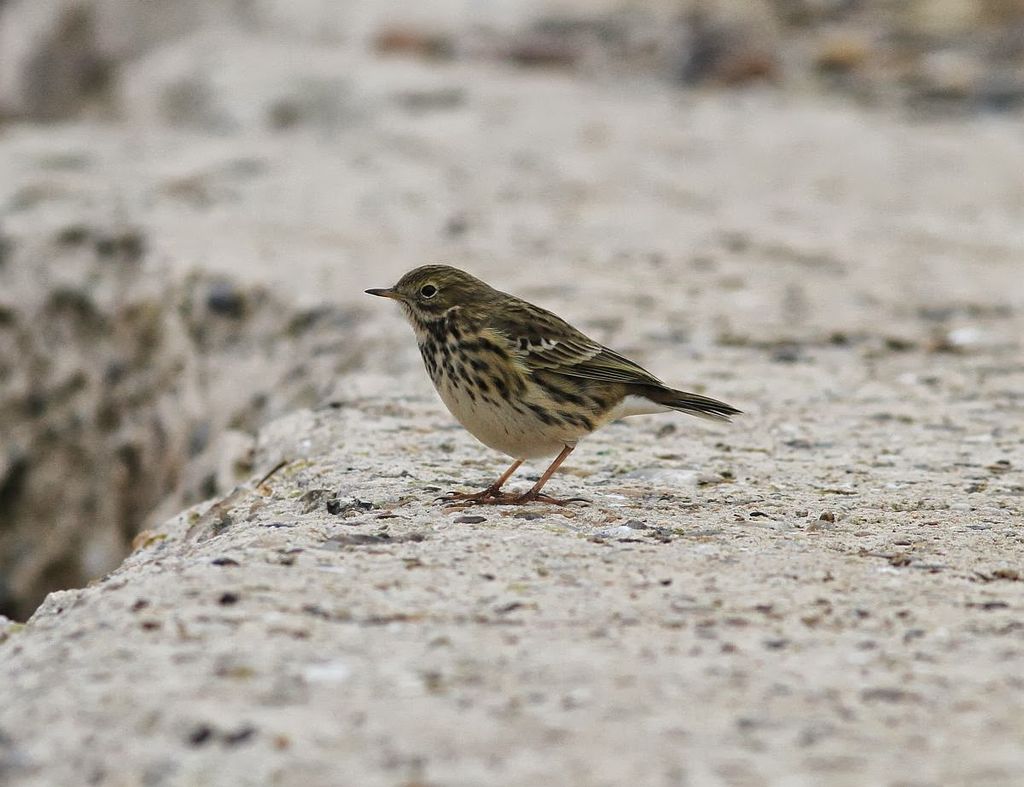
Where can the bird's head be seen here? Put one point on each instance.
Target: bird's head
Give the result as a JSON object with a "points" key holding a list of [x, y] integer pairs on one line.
{"points": [[428, 292]]}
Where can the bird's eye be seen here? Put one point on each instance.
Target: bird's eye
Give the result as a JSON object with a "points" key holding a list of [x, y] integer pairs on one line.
{"points": [[428, 290]]}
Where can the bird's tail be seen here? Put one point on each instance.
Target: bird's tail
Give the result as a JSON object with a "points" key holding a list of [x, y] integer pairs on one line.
{"points": [[691, 403]]}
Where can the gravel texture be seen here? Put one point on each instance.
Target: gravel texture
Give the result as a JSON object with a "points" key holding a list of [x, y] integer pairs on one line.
{"points": [[828, 591]]}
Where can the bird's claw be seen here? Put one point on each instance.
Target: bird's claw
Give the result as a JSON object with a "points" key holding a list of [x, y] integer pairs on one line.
{"points": [[542, 498], [489, 495], [494, 497]]}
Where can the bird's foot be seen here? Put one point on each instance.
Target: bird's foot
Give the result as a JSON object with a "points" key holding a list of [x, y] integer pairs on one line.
{"points": [[495, 497], [540, 497], [489, 496]]}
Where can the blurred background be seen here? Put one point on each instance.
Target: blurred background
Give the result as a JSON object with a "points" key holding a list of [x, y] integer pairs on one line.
{"points": [[194, 193]]}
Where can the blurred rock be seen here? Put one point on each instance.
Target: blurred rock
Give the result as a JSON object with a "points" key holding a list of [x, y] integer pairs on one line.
{"points": [[224, 65], [63, 56], [949, 74], [60, 56], [729, 44], [443, 98], [269, 84], [843, 53], [412, 41], [571, 41], [119, 392], [1001, 90], [194, 83], [546, 51], [54, 66], [941, 19], [805, 13]]}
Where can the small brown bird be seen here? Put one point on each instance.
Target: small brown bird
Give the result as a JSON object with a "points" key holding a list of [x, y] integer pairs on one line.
{"points": [[521, 379]]}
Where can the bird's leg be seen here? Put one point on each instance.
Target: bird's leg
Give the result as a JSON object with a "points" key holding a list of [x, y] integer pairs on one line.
{"points": [[490, 494], [534, 493]]}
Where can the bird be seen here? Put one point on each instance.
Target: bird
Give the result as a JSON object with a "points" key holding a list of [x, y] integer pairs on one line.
{"points": [[522, 380]]}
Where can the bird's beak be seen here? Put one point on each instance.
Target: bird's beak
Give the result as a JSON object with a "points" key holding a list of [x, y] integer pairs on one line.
{"points": [[385, 293]]}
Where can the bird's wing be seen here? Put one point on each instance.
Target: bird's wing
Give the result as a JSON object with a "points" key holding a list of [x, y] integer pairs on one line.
{"points": [[544, 341]]}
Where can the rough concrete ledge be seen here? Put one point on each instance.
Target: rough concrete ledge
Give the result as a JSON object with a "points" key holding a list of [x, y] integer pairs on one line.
{"points": [[697, 623]]}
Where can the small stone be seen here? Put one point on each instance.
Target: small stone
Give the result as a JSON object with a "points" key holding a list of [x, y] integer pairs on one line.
{"points": [[622, 531], [129, 246], [73, 235], [225, 299], [348, 505], [470, 519], [427, 100], [988, 606], [6, 249], [355, 540], [897, 344], [949, 74], [456, 226], [841, 54], [311, 499], [884, 694], [241, 735], [788, 353], [285, 114], [535, 50], [200, 735], [423, 43]]}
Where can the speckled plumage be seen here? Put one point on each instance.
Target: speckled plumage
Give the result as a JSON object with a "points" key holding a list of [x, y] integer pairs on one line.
{"points": [[519, 378]]}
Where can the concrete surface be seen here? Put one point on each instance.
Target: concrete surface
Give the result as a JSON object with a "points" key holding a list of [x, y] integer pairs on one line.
{"points": [[827, 592]]}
